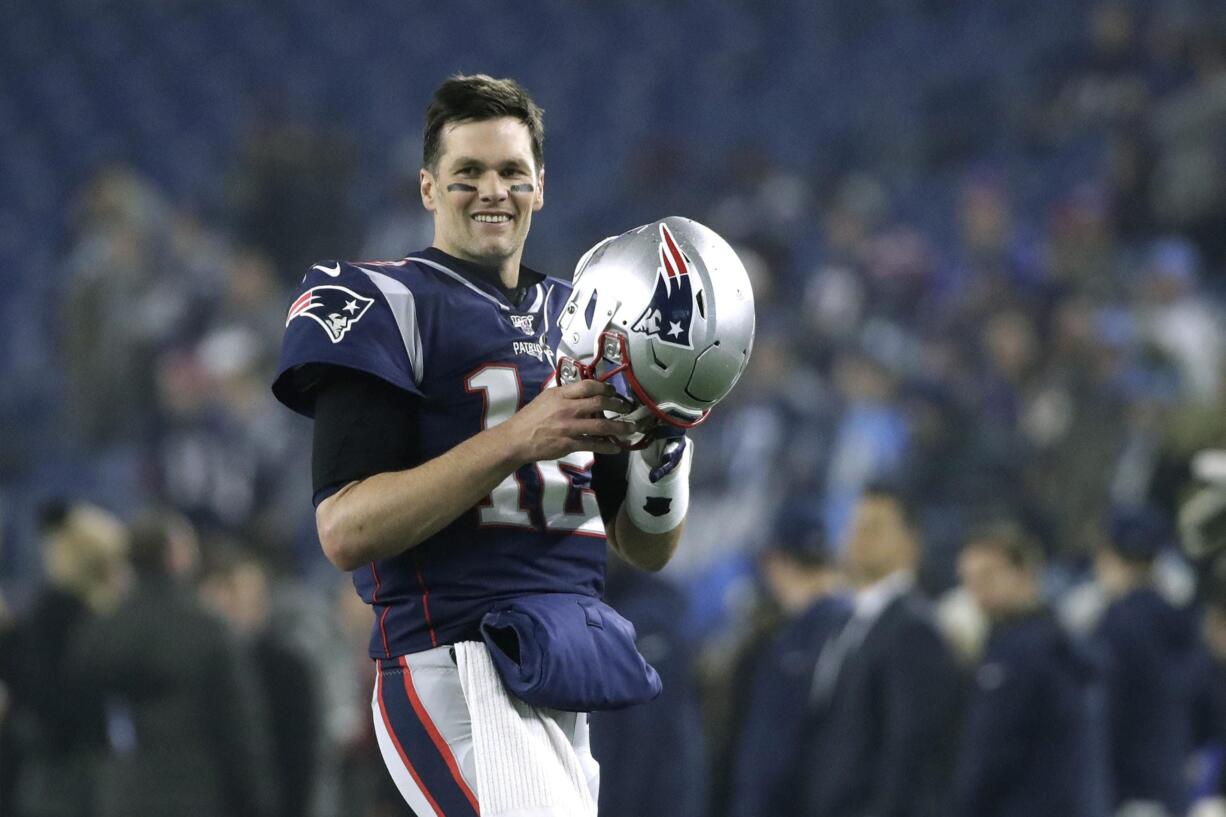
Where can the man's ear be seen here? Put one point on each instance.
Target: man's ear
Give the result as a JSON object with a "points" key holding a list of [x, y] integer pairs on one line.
{"points": [[427, 189], [539, 201]]}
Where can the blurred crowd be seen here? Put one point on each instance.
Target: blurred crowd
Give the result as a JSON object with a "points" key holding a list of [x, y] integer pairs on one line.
{"points": [[932, 528], [151, 675]]}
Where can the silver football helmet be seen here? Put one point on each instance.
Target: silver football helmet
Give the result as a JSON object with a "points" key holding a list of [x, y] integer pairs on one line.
{"points": [[665, 313]]}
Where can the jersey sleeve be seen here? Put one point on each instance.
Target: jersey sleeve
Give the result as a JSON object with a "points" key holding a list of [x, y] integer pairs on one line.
{"points": [[346, 315], [363, 426]]}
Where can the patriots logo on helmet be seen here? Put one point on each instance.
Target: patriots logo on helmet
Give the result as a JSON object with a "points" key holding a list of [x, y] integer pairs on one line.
{"points": [[670, 314], [335, 308]]}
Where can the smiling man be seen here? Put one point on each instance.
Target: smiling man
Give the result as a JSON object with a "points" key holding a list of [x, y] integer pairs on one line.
{"points": [[447, 478], [483, 229]]}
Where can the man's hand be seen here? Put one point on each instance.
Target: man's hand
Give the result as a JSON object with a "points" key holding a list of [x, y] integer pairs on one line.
{"points": [[663, 454], [565, 419]]}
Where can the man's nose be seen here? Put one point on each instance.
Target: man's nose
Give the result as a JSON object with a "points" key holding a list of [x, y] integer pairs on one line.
{"points": [[492, 187]]}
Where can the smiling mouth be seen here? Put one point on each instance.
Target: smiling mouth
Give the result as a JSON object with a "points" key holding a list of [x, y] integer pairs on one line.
{"points": [[489, 218]]}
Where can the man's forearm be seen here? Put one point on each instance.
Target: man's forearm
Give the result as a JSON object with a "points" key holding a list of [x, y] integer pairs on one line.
{"points": [[386, 514], [646, 551], [652, 515]]}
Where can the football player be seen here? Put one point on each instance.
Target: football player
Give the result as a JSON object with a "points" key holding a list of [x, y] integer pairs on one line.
{"points": [[448, 477]]}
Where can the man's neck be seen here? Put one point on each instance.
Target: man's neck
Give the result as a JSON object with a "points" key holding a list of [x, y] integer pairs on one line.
{"points": [[1126, 580], [1020, 609], [862, 582], [871, 598], [507, 269]]}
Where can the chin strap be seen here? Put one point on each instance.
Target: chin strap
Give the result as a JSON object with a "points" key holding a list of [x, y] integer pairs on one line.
{"points": [[658, 505]]}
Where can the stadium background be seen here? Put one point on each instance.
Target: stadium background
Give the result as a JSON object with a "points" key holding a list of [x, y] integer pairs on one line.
{"points": [[986, 243]]}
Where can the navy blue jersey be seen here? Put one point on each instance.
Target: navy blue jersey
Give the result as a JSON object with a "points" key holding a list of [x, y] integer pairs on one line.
{"points": [[439, 329]]}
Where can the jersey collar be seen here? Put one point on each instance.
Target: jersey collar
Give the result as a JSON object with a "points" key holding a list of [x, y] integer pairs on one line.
{"points": [[487, 277]]}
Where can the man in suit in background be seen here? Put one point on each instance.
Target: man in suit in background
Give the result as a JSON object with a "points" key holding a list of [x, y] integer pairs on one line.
{"points": [[239, 587], [1033, 741], [186, 732], [654, 754], [886, 689], [1151, 648], [799, 570], [57, 733]]}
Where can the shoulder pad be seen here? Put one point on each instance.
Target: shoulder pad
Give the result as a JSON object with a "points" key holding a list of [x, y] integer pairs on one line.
{"points": [[352, 315]]}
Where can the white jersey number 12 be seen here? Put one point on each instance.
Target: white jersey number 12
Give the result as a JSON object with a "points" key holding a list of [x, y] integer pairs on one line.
{"points": [[502, 391]]}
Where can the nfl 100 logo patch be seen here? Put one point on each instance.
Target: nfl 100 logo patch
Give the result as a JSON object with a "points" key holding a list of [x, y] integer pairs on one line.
{"points": [[523, 323]]}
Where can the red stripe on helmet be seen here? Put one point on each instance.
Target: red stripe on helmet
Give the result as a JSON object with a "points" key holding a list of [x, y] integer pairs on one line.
{"points": [[667, 263], [678, 259]]}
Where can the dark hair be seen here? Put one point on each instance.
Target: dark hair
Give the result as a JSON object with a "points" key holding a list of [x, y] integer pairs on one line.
{"points": [[1137, 535], [223, 557], [1009, 539], [800, 535], [52, 515], [150, 541], [475, 98]]}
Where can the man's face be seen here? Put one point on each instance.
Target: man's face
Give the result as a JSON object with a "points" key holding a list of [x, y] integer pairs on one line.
{"points": [[998, 587], [880, 543], [240, 597], [486, 188]]}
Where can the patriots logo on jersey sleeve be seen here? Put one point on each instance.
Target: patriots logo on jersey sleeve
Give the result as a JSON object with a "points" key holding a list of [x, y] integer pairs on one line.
{"points": [[671, 311], [335, 308]]}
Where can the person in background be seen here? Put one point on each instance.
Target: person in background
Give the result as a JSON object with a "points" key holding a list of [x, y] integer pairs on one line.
{"points": [[237, 586], [365, 787], [655, 753], [800, 573], [55, 733], [185, 728], [886, 688], [1210, 702], [1029, 745], [1150, 648]]}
